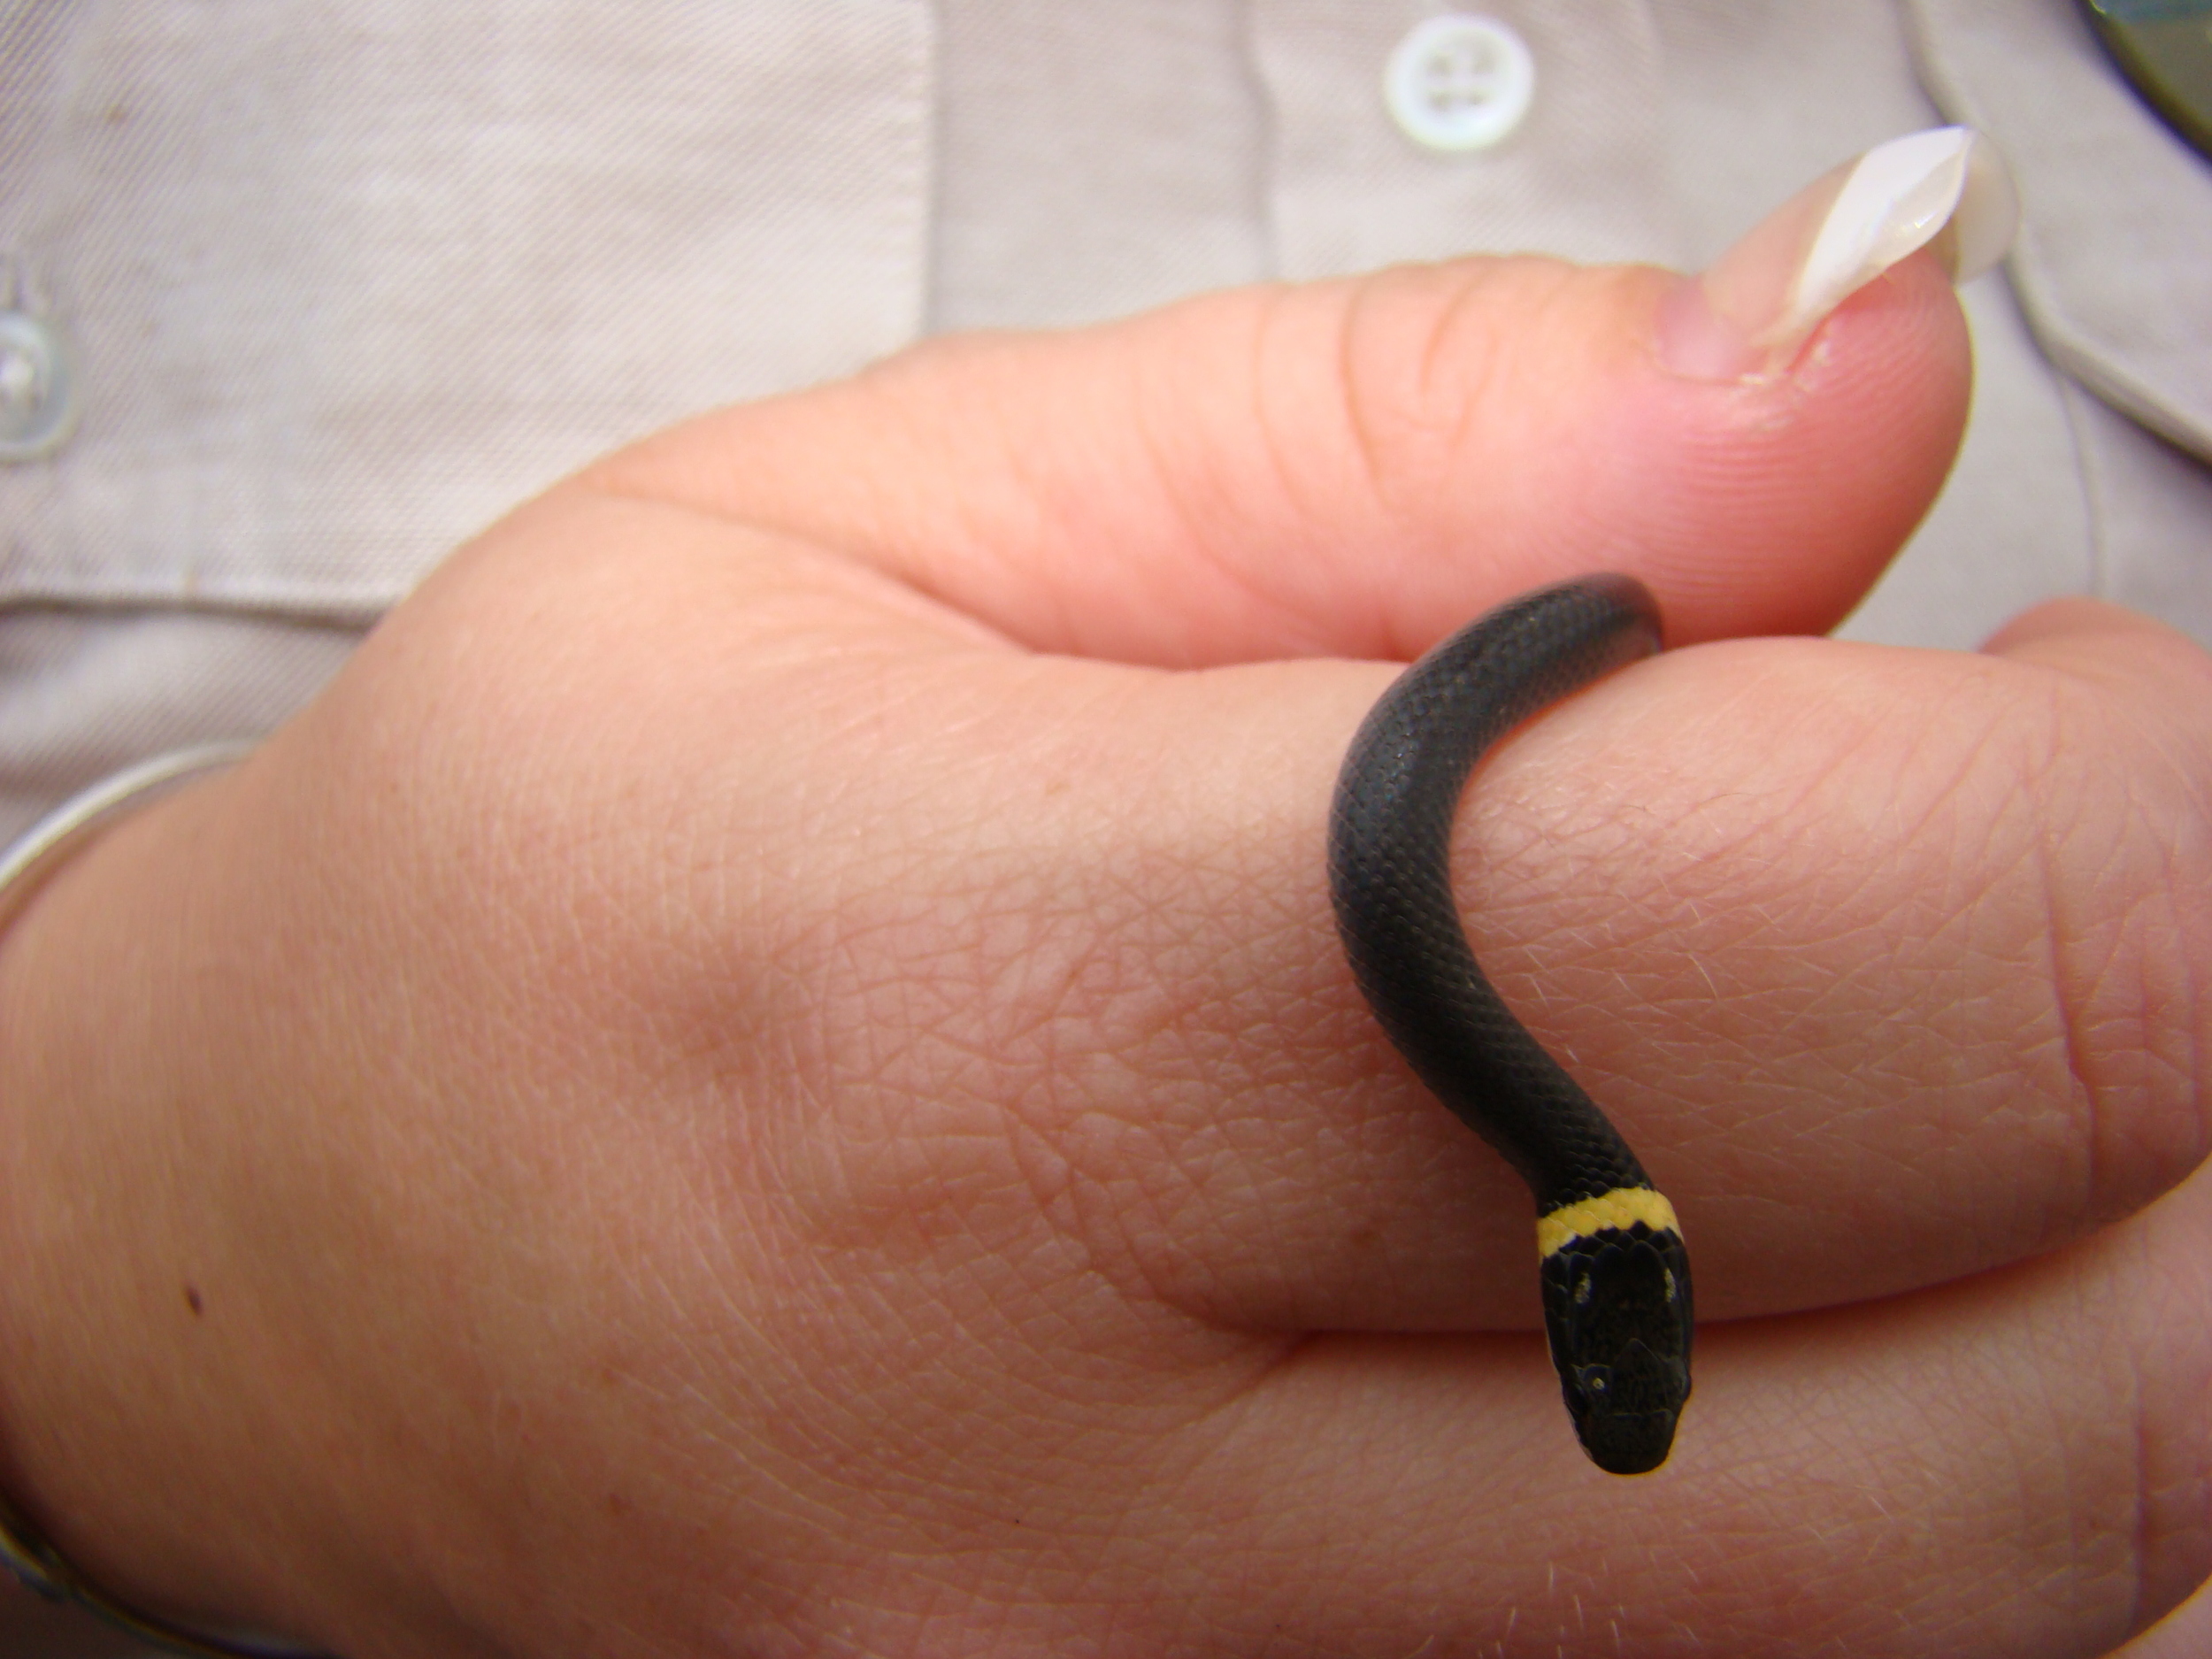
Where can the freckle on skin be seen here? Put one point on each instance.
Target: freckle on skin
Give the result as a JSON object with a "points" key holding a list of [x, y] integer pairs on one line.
{"points": [[192, 1299]]}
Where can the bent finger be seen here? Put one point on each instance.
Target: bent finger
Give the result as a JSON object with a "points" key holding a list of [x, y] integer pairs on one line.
{"points": [[2026, 1457]]}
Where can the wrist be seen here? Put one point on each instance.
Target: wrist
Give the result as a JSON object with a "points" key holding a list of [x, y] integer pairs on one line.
{"points": [[103, 1401]]}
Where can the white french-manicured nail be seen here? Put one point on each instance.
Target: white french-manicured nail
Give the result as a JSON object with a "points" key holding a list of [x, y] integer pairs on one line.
{"points": [[1945, 190]]}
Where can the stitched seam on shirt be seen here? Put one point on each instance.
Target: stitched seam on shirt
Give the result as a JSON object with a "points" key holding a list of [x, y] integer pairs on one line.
{"points": [[347, 606]]}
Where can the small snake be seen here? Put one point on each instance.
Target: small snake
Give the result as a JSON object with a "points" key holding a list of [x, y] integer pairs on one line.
{"points": [[1615, 1278]]}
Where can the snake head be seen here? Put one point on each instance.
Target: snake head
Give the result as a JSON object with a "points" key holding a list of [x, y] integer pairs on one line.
{"points": [[1616, 1308]]}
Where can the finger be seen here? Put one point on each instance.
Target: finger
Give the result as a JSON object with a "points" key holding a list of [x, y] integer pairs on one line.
{"points": [[2025, 1458], [1884, 961], [1353, 468]]}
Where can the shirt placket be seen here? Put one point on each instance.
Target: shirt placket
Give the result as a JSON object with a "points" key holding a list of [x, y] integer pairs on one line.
{"points": [[1405, 130]]}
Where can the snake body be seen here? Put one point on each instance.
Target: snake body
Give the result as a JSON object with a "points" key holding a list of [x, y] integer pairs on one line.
{"points": [[1615, 1278]]}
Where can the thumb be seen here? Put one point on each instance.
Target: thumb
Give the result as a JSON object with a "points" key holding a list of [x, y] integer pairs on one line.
{"points": [[1354, 467]]}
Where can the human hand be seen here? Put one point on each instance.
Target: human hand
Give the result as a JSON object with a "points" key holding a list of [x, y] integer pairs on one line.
{"points": [[769, 1070]]}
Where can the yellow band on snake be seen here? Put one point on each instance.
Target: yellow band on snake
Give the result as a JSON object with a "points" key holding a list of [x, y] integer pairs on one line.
{"points": [[1622, 1208]]}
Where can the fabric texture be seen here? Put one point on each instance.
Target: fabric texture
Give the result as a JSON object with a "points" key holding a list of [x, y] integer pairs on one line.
{"points": [[1092, 160], [1582, 177], [347, 279], [350, 277], [2098, 177]]}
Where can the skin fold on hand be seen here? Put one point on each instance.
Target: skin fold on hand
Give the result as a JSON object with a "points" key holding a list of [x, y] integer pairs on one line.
{"points": [[768, 1071]]}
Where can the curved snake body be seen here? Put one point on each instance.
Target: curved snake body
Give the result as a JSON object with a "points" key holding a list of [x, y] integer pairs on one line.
{"points": [[1615, 1278]]}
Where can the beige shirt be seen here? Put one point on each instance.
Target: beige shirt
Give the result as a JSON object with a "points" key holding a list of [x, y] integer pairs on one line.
{"points": [[346, 278]]}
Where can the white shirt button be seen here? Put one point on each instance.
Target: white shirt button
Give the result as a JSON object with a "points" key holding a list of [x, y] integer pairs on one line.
{"points": [[1459, 82], [38, 388]]}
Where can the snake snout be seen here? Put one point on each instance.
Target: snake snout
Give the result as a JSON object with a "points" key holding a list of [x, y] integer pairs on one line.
{"points": [[1617, 1308], [1628, 1409]]}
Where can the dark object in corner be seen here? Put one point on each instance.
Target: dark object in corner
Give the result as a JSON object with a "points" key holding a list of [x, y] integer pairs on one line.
{"points": [[2164, 48]]}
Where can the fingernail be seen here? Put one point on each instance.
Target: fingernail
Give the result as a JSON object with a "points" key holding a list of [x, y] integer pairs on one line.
{"points": [[1945, 190]]}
